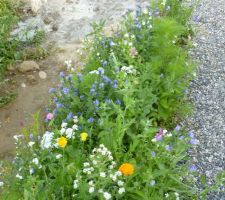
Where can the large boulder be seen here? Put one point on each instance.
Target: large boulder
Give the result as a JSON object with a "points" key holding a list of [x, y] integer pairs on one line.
{"points": [[27, 66]]}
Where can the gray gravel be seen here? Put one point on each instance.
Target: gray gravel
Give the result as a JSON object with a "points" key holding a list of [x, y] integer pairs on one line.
{"points": [[207, 92]]}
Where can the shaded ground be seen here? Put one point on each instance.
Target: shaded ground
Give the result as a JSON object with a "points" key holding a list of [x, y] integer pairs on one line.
{"points": [[66, 22]]}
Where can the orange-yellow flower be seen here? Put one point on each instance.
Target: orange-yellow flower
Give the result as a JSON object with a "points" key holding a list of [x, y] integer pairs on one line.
{"points": [[126, 169], [83, 136], [62, 142]]}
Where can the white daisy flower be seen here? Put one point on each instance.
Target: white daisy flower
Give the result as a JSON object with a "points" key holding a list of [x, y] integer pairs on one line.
{"points": [[19, 177], [102, 174], [91, 190], [69, 133], [86, 164], [107, 195], [91, 183], [120, 183], [94, 162], [75, 127], [121, 190], [58, 156], [75, 184], [75, 119], [62, 131], [30, 144], [35, 161]]}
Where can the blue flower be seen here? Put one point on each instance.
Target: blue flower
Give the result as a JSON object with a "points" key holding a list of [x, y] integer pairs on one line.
{"points": [[31, 136], [108, 101], [55, 100], [65, 90], [104, 63], [96, 102], [79, 113], [193, 141], [192, 168], [153, 154], [117, 69], [168, 147], [115, 84], [79, 75], [118, 102], [61, 74], [101, 85], [55, 111], [106, 79], [97, 108], [92, 91], [152, 183], [91, 120], [70, 116], [111, 43], [196, 18], [178, 127], [70, 77], [181, 137], [191, 134], [101, 70], [81, 96], [59, 105]]}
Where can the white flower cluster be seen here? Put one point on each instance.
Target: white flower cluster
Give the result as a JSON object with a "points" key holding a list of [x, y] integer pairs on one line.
{"points": [[1, 184], [46, 141], [31, 144], [19, 176], [17, 137], [69, 132], [163, 2], [69, 65], [128, 70], [99, 71], [128, 39], [102, 166], [177, 196]]}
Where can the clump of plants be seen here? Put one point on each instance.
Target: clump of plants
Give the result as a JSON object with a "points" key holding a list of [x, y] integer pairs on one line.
{"points": [[12, 48], [106, 135]]}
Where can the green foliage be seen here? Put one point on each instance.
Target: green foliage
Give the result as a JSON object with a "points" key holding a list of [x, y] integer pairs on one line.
{"points": [[7, 98]]}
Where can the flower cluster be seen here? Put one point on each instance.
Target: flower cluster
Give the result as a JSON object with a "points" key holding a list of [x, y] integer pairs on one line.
{"points": [[160, 134], [69, 132], [101, 174], [47, 140], [128, 84], [128, 70]]}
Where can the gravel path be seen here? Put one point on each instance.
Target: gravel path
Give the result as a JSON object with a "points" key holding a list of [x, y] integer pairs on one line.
{"points": [[208, 91]]}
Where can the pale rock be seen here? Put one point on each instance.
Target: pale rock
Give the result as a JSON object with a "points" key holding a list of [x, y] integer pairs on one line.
{"points": [[27, 66]]}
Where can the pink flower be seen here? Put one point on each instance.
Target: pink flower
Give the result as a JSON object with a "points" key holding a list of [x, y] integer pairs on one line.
{"points": [[160, 134], [133, 52], [49, 116]]}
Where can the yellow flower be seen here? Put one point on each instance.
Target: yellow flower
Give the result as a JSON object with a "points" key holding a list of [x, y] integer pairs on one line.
{"points": [[126, 169], [83, 136], [62, 142]]}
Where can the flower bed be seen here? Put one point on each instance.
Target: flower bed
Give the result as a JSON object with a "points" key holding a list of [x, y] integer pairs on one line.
{"points": [[103, 139]]}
